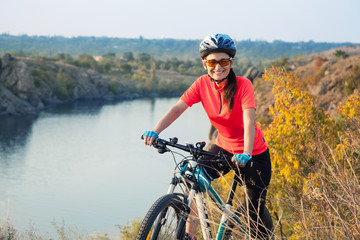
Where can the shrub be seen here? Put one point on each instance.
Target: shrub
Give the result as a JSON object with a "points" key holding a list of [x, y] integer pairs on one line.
{"points": [[113, 87], [7, 231], [40, 74], [352, 81], [340, 54], [64, 85], [129, 231], [315, 188]]}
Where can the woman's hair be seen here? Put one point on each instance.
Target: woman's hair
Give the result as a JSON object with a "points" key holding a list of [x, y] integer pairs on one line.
{"points": [[230, 90]]}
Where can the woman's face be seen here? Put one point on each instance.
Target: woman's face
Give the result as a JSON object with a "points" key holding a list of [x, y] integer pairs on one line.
{"points": [[218, 72]]}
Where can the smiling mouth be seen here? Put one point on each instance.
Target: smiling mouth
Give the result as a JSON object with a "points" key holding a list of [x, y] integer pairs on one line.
{"points": [[218, 73]]}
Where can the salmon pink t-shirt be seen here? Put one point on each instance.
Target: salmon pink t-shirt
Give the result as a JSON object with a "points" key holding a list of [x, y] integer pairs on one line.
{"points": [[230, 126]]}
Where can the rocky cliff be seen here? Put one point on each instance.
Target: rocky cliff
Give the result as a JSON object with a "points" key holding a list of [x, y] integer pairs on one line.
{"points": [[28, 86]]}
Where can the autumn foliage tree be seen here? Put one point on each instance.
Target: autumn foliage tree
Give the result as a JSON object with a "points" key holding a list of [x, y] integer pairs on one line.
{"points": [[314, 192]]}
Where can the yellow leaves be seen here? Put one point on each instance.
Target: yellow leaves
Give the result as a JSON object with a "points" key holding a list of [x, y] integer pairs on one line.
{"points": [[226, 180], [298, 232], [315, 162], [351, 109], [297, 124], [339, 152], [315, 159]]}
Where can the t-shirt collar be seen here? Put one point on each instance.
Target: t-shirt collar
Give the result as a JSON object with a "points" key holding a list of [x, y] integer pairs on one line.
{"points": [[216, 87]]}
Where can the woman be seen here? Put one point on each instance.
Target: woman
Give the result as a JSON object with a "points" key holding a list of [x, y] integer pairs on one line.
{"points": [[230, 105]]}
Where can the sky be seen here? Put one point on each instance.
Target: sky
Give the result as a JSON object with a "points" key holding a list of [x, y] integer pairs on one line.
{"points": [[268, 20]]}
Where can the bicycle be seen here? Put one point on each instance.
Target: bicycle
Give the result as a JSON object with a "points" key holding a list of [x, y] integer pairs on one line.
{"points": [[167, 217]]}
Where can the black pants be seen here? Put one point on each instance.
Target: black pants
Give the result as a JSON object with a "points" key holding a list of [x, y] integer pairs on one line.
{"points": [[256, 179]]}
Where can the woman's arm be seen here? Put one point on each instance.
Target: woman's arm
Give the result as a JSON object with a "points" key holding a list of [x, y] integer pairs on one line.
{"points": [[169, 117], [249, 130], [249, 138]]}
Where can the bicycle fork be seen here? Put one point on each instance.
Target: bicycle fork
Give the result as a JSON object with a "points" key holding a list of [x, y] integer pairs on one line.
{"points": [[203, 216], [202, 213]]}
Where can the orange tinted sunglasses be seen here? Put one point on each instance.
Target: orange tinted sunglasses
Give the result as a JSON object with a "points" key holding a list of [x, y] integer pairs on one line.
{"points": [[223, 62]]}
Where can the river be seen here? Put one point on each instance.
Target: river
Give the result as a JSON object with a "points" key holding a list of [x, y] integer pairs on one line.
{"points": [[84, 166]]}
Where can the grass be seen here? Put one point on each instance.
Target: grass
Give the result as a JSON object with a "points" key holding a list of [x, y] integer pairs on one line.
{"points": [[63, 232]]}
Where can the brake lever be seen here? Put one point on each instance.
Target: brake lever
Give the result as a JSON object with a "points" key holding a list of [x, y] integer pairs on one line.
{"points": [[160, 146]]}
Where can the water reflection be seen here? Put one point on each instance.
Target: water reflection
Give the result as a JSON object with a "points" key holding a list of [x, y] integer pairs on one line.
{"points": [[14, 133], [82, 107]]}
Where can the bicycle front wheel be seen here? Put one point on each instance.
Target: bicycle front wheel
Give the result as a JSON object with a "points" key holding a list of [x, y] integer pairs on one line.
{"points": [[162, 220]]}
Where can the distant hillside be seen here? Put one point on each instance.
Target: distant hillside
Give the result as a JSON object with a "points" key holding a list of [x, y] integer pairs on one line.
{"points": [[159, 48], [326, 75], [32, 84]]}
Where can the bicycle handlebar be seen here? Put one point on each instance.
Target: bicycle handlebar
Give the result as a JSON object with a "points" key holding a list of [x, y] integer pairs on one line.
{"points": [[197, 150], [161, 145]]}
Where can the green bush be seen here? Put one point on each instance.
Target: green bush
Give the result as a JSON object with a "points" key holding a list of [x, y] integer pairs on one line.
{"points": [[40, 74], [64, 85], [340, 54], [113, 87]]}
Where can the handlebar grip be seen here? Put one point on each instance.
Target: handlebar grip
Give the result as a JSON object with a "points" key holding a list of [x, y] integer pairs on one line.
{"points": [[249, 164]]}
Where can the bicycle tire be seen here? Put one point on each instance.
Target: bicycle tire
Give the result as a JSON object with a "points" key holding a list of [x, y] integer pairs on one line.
{"points": [[162, 220]]}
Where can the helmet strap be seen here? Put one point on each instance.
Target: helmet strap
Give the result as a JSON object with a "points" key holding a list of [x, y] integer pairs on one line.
{"points": [[217, 81]]}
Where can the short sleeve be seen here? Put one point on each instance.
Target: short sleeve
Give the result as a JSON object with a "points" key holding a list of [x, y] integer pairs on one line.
{"points": [[247, 94], [192, 94]]}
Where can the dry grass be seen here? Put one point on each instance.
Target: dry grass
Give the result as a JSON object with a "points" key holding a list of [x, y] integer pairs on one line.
{"points": [[63, 232]]}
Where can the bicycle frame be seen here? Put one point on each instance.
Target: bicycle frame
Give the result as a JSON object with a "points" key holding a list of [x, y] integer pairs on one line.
{"points": [[199, 196], [201, 207]]}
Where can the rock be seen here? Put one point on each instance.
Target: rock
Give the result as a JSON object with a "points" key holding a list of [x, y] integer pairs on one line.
{"points": [[252, 73], [6, 60], [11, 104], [29, 85]]}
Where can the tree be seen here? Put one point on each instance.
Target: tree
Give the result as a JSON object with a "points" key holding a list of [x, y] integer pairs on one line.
{"points": [[128, 56], [87, 61], [125, 68], [315, 180], [110, 55]]}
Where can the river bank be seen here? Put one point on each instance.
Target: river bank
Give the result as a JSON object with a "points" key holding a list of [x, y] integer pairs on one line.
{"points": [[28, 85]]}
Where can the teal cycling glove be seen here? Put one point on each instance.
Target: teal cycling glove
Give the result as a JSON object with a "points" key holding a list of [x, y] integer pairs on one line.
{"points": [[242, 158], [151, 134]]}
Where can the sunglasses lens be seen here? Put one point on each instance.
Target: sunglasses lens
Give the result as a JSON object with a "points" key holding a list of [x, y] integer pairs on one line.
{"points": [[211, 63], [224, 62]]}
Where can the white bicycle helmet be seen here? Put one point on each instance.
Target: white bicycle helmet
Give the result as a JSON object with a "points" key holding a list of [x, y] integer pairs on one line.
{"points": [[217, 43]]}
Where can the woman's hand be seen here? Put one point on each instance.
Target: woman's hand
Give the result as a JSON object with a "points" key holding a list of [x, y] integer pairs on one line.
{"points": [[149, 137], [241, 159]]}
